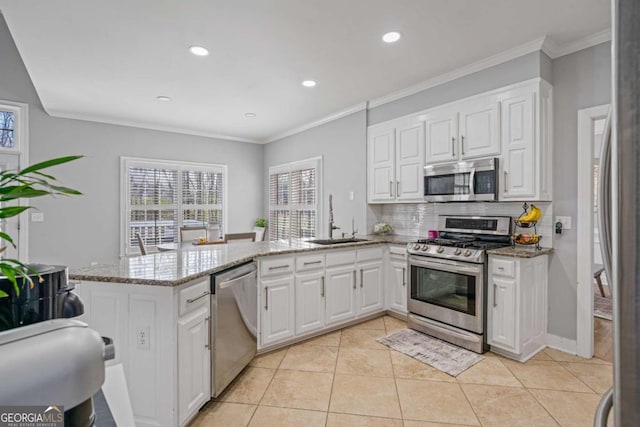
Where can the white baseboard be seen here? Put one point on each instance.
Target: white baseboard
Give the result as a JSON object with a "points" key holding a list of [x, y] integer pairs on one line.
{"points": [[562, 344]]}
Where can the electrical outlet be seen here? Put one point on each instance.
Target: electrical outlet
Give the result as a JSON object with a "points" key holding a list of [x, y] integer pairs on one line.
{"points": [[142, 337], [351, 195], [37, 217], [565, 220]]}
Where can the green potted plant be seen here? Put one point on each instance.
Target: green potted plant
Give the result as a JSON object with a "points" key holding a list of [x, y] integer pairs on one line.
{"points": [[15, 185], [260, 229]]}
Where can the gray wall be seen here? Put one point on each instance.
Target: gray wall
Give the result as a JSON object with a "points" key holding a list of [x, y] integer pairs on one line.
{"points": [[517, 70], [342, 145], [79, 230], [580, 80]]}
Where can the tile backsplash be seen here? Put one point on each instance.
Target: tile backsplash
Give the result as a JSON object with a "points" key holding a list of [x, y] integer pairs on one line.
{"points": [[416, 219]]}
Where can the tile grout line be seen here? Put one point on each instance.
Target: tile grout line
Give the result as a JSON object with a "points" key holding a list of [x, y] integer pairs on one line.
{"points": [[268, 385], [333, 379], [475, 414]]}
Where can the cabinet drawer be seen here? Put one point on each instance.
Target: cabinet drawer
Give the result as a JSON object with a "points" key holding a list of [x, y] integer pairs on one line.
{"points": [[370, 254], [309, 262], [397, 251], [503, 267], [340, 258], [273, 266], [194, 296]]}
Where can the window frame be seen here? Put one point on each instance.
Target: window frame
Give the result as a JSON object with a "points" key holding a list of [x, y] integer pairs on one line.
{"points": [[312, 162], [20, 127], [179, 166]]}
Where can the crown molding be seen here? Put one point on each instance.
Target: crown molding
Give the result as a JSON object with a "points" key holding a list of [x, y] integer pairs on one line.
{"points": [[499, 58], [554, 50], [150, 126], [335, 116]]}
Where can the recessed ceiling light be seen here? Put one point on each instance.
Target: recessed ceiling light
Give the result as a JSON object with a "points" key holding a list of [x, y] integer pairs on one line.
{"points": [[391, 37], [309, 83], [199, 51], [163, 98], [249, 115]]}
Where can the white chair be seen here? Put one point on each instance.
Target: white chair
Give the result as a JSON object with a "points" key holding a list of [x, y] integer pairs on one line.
{"points": [[143, 249], [240, 237], [188, 234]]}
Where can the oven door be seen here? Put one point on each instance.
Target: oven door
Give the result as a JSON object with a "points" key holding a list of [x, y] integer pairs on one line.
{"points": [[451, 292]]}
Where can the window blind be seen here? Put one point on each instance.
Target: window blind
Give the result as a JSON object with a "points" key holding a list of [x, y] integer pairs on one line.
{"points": [[293, 200], [161, 197]]}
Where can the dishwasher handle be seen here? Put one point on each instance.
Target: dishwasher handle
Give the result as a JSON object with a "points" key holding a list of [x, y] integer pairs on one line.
{"points": [[228, 283]]}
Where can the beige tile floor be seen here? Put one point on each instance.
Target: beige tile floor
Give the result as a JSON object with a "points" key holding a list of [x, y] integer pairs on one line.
{"points": [[346, 378]]}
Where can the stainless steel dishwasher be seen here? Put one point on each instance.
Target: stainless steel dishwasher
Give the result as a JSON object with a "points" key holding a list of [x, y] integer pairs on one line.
{"points": [[234, 323]]}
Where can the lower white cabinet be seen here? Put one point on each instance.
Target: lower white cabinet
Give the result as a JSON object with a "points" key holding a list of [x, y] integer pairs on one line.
{"points": [[517, 305], [194, 362], [397, 283], [277, 320], [309, 309], [371, 287], [340, 294]]}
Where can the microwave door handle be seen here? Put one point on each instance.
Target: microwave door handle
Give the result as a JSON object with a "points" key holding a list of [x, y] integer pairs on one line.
{"points": [[472, 181]]}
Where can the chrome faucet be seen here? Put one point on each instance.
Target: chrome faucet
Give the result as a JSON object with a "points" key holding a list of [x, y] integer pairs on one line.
{"points": [[332, 226]]}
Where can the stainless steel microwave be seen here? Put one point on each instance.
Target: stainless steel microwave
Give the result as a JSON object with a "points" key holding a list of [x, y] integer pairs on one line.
{"points": [[475, 180]]}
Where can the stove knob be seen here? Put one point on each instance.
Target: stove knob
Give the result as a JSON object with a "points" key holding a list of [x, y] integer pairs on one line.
{"points": [[457, 252], [425, 248], [467, 253], [440, 249]]}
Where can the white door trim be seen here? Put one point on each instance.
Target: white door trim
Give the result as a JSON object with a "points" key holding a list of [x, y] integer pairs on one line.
{"points": [[584, 321]]}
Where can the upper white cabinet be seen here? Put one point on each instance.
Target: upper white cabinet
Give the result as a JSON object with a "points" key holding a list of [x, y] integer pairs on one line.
{"points": [[395, 166], [512, 123], [463, 130]]}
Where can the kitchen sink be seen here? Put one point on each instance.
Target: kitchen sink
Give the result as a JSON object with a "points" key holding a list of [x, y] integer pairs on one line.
{"points": [[336, 241]]}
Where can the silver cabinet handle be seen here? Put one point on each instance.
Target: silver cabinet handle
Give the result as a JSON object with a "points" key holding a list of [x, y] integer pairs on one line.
{"points": [[313, 262], [322, 291], [495, 301], [397, 188], [204, 294], [453, 145], [506, 174], [462, 143], [278, 267], [208, 344], [361, 279], [390, 188], [266, 298], [404, 275], [354, 279], [500, 268]]}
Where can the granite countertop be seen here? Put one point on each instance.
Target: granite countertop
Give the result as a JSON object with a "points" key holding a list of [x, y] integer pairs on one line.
{"points": [[520, 251], [183, 265]]}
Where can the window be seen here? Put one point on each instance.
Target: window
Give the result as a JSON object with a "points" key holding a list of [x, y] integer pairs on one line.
{"points": [[160, 197], [13, 126], [294, 194]]}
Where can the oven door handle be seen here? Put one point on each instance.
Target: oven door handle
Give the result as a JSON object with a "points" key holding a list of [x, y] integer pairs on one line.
{"points": [[454, 267], [472, 180]]}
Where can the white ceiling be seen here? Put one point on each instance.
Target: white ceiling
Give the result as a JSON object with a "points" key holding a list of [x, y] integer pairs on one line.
{"points": [[108, 60]]}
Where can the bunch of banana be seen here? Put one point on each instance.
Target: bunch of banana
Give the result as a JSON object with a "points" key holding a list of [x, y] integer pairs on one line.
{"points": [[533, 215]]}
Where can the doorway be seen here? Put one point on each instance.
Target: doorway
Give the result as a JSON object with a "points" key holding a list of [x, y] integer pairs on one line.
{"points": [[590, 129]]}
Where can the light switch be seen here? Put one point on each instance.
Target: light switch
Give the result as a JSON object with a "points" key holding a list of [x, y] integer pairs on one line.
{"points": [[37, 217], [565, 220], [351, 196]]}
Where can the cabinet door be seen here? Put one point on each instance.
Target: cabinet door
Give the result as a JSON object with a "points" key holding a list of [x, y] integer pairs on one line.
{"points": [[310, 290], [398, 285], [194, 363], [371, 294], [502, 308], [441, 137], [518, 119], [277, 309], [381, 165], [340, 294], [409, 161], [479, 130]]}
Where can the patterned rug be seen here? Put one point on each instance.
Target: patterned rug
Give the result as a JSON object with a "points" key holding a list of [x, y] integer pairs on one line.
{"points": [[441, 355], [602, 306]]}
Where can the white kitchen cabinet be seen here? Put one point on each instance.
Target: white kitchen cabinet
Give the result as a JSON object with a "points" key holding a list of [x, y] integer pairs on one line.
{"points": [[278, 304], [340, 293], [397, 280], [395, 161], [518, 160], [309, 310], [194, 362], [463, 130], [517, 305], [371, 287]]}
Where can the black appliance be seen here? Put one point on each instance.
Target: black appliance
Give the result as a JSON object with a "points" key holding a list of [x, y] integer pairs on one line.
{"points": [[51, 297], [465, 181]]}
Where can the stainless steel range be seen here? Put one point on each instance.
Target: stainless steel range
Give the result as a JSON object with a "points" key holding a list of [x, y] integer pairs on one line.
{"points": [[448, 278]]}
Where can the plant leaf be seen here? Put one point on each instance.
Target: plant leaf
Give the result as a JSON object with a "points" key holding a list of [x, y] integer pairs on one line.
{"points": [[3, 294], [24, 193], [10, 272], [48, 164], [65, 190], [9, 211]]}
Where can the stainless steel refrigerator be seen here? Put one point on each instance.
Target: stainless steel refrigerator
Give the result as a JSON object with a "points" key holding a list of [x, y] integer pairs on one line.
{"points": [[620, 216]]}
